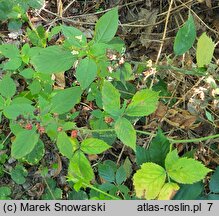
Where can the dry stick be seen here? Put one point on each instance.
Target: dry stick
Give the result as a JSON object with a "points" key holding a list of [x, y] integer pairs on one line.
{"points": [[66, 8], [120, 155]]}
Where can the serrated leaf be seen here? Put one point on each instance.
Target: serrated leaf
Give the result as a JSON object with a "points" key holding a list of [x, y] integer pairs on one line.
{"points": [[24, 143], [143, 103], [168, 191], [94, 146], [185, 37], [86, 72], [7, 87], [214, 182], [185, 170], [189, 191], [64, 145], [106, 27], [65, 100], [19, 174], [74, 36], [120, 175], [111, 99], [205, 50], [149, 180], [126, 132], [128, 167], [53, 59], [79, 168], [106, 172]]}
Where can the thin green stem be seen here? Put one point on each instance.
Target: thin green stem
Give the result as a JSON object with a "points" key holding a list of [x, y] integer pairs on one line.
{"points": [[153, 135], [100, 191]]}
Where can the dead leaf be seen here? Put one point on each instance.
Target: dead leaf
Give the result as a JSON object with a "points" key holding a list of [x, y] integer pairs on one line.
{"points": [[59, 80], [59, 169]]}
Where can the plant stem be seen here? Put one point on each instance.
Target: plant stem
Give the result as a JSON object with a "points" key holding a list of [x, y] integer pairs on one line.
{"points": [[151, 134], [100, 191]]}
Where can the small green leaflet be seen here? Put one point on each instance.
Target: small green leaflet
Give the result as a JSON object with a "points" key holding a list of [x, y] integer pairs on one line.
{"points": [[126, 132], [106, 27], [149, 180], [24, 143], [80, 168], [205, 50], [19, 174], [214, 182], [7, 87], [65, 100], [185, 37], [143, 103], [86, 72], [94, 146], [64, 144], [53, 59], [12, 52], [184, 170], [111, 99], [168, 191]]}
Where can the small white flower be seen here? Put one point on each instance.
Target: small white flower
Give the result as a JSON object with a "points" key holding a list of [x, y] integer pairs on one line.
{"points": [[79, 37], [74, 52]]}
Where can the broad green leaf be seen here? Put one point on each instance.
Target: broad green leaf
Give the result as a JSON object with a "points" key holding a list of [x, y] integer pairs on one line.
{"points": [[80, 195], [64, 145], [185, 170], [64, 100], [37, 4], [35, 87], [106, 27], [149, 180], [5, 192], [80, 168], [15, 109], [7, 87], [107, 172], [214, 182], [12, 52], [205, 50], [189, 191], [120, 175], [86, 72], [111, 99], [53, 59], [24, 143], [94, 146], [126, 132], [171, 158], [19, 174], [36, 154], [143, 103], [185, 37], [168, 191], [2, 102], [74, 36]]}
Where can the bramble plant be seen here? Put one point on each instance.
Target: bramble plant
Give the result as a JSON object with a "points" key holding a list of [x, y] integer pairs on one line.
{"points": [[100, 73]]}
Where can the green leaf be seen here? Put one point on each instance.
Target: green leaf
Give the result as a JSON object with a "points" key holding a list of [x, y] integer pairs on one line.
{"points": [[126, 132], [185, 170], [7, 87], [80, 169], [64, 100], [86, 72], [107, 172], [128, 167], [12, 52], [64, 145], [53, 59], [106, 27], [74, 36], [185, 37], [111, 99], [2, 103], [143, 103], [214, 182], [168, 191], [120, 175], [36, 154], [5, 192], [149, 180], [35, 87], [15, 109], [94, 146], [24, 143], [189, 191], [19, 174], [80, 195], [205, 50]]}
